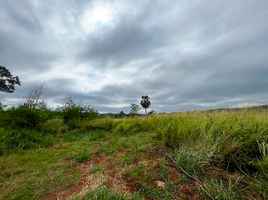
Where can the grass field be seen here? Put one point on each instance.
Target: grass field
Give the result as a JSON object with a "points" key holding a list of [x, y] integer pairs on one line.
{"points": [[192, 155]]}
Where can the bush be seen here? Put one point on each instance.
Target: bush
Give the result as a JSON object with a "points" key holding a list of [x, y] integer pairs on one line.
{"points": [[53, 126], [73, 114], [23, 139], [132, 126], [23, 117]]}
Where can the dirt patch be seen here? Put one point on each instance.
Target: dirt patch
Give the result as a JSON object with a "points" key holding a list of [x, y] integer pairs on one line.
{"points": [[109, 173], [107, 170]]}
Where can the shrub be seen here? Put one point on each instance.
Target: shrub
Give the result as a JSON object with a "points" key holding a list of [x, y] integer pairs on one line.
{"points": [[103, 193], [53, 126], [217, 189], [23, 139], [73, 114], [23, 117]]}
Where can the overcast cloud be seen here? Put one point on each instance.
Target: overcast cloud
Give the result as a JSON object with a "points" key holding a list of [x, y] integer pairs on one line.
{"points": [[185, 55]]}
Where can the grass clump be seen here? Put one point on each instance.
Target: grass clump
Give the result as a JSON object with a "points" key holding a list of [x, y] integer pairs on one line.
{"points": [[156, 193], [53, 126], [135, 172], [23, 139], [126, 160], [103, 193], [217, 189], [86, 135], [82, 156], [187, 161], [164, 170], [96, 169]]}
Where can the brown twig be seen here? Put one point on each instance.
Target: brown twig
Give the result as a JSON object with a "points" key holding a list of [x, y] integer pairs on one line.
{"points": [[188, 175]]}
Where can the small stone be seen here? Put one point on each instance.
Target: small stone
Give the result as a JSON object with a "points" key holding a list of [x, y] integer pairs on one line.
{"points": [[160, 184]]}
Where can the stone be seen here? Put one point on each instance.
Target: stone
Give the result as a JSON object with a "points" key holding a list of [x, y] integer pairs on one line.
{"points": [[160, 184]]}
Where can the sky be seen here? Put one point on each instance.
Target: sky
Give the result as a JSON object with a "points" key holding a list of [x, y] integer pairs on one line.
{"points": [[185, 55]]}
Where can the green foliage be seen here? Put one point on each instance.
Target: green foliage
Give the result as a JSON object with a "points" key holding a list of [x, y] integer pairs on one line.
{"points": [[131, 127], [23, 139], [259, 183], [126, 160], [7, 80], [145, 102], [234, 140], [107, 123], [135, 172], [73, 114], [217, 189], [156, 193], [23, 117], [164, 170], [87, 135], [82, 156], [187, 161], [53, 126], [96, 169], [134, 109], [102, 193]]}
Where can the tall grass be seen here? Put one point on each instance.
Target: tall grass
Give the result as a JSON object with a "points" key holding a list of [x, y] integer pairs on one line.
{"points": [[231, 139], [231, 136]]}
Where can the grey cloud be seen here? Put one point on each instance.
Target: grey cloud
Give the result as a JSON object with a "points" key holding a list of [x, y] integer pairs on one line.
{"points": [[184, 55], [20, 14]]}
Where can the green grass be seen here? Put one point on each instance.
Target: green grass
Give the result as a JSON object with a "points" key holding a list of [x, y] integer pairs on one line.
{"points": [[24, 173], [217, 189], [132, 142], [188, 161], [102, 193], [82, 156], [33, 163], [128, 160], [96, 169]]}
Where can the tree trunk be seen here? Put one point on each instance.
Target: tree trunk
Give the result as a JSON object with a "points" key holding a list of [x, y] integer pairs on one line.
{"points": [[145, 111]]}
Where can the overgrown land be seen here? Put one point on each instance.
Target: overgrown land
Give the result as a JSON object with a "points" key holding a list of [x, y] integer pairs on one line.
{"points": [[73, 153]]}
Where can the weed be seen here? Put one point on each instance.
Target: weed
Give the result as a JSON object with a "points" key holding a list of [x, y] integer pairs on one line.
{"points": [[96, 169], [217, 189], [164, 170], [88, 135], [184, 179], [155, 193], [102, 193], [82, 156], [125, 160], [188, 161], [135, 172]]}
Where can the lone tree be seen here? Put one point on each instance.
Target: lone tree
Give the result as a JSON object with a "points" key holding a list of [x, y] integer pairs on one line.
{"points": [[7, 80], [145, 102], [134, 108]]}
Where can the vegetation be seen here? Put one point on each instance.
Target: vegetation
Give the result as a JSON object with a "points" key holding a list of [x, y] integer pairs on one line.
{"points": [[7, 80], [145, 102], [73, 152], [134, 109]]}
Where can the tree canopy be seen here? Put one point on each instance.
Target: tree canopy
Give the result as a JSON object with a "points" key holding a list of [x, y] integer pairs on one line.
{"points": [[134, 108], [7, 80], [145, 102]]}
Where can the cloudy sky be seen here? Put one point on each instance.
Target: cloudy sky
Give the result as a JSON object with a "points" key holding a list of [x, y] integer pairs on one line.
{"points": [[185, 55]]}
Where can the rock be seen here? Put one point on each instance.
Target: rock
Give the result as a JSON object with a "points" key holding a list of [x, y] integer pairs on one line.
{"points": [[160, 184]]}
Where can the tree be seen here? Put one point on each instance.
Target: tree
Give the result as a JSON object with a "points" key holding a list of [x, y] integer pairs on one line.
{"points": [[145, 102], [7, 80], [36, 97], [134, 108], [122, 114]]}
